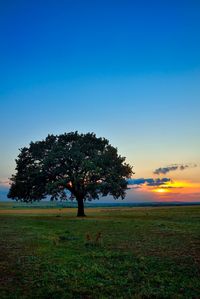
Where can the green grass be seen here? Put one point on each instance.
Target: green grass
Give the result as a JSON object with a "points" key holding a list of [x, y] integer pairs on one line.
{"points": [[141, 253]]}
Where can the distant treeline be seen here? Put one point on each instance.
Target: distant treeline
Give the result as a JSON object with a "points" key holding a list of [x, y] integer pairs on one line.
{"points": [[62, 204]]}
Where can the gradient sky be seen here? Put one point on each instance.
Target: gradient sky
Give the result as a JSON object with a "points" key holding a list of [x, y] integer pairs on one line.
{"points": [[126, 70]]}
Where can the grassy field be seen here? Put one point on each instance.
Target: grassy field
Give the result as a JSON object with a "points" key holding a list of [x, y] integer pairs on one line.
{"points": [[112, 253]]}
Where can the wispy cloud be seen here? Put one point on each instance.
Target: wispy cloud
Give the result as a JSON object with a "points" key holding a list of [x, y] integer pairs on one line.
{"points": [[173, 167], [4, 183], [149, 181], [172, 187]]}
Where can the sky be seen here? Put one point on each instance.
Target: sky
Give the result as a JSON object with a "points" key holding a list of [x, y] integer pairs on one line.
{"points": [[126, 70]]}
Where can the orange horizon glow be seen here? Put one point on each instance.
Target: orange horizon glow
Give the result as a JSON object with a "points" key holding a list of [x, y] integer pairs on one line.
{"points": [[174, 187], [161, 190]]}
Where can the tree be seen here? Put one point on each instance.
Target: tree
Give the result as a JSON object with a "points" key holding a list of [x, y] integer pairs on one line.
{"points": [[70, 165]]}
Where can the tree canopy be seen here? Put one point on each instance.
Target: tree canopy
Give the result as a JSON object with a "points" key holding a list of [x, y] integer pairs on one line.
{"points": [[69, 165]]}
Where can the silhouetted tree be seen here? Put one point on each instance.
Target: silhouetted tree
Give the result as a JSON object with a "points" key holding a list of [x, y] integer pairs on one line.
{"points": [[81, 165]]}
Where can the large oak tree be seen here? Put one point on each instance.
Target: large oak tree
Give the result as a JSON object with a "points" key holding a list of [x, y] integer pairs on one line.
{"points": [[70, 165]]}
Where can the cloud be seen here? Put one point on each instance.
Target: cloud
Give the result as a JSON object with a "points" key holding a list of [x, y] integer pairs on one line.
{"points": [[164, 170], [149, 181], [4, 183], [172, 187]]}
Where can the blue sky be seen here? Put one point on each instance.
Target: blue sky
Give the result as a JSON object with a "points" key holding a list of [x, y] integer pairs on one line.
{"points": [[127, 70]]}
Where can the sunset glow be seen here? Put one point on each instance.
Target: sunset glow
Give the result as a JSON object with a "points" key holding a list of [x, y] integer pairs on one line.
{"points": [[173, 190], [161, 190]]}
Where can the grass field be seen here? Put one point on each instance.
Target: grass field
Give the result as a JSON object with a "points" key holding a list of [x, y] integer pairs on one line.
{"points": [[112, 253]]}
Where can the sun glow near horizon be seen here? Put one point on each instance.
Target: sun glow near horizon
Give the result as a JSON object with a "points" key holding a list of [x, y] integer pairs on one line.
{"points": [[161, 190], [177, 187]]}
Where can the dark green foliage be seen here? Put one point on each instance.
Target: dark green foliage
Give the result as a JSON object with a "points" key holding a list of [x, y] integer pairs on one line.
{"points": [[81, 165]]}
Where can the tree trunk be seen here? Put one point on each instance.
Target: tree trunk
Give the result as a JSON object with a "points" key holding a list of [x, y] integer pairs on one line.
{"points": [[80, 208]]}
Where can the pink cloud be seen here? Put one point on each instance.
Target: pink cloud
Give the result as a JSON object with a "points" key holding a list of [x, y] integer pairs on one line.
{"points": [[4, 183]]}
